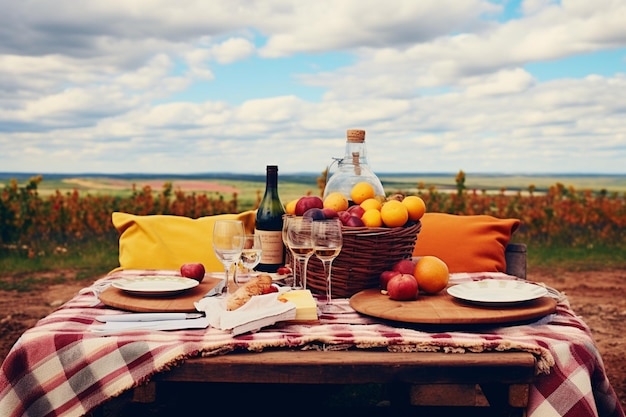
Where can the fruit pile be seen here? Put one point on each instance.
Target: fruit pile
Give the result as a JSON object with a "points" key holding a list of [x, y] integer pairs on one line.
{"points": [[407, 278], [363, 208]]}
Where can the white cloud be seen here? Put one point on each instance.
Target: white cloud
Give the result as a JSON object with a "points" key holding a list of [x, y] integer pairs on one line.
{"points": [[529, 7], [438, 85], [369, 23], [232, 50], [501, 82]]}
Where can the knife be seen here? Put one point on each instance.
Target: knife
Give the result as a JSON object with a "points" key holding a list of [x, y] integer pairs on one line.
{"points": [[148, 317]]}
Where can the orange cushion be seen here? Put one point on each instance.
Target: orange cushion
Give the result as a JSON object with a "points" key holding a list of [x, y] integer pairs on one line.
{"points": [[167, 241], [466, 243]]}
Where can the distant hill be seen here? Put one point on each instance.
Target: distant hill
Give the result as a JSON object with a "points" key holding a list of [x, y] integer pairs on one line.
{"points": [[442, 180]]}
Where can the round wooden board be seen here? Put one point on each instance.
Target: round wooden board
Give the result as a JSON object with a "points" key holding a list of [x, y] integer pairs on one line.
{"points": [[442, 308], [179, 303]]}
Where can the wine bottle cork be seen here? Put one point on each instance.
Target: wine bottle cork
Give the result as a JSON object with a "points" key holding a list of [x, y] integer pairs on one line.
{"points": [[356, 135]]}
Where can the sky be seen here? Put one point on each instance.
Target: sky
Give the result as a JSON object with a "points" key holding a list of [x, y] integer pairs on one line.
{"points": [[187, 87]]}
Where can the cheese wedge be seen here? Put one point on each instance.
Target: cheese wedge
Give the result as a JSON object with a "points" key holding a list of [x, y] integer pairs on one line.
{"points": [[306, 306]]}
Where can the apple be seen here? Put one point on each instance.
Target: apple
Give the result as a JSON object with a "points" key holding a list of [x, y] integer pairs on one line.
{"points": [[354, 221], [330, 213], [356, 210], [403, 287], [193, 270], [283, 270], [314, 214], [344, 216], [404, 266], [385, 276], [308, 202]]}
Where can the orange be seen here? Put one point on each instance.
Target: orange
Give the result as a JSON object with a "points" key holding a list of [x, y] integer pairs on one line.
{"points": [[372, 218], [290, 207], [415, 205], [361, 191], [432, 274], [394, 213], [336, 201], [371, 203]]}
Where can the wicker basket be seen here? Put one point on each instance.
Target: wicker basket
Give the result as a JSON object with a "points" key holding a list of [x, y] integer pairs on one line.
{"points": [[366, 252]]}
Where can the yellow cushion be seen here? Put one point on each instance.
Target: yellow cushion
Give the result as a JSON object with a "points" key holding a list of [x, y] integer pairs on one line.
{"points": [[466, 243], [167, 241]]}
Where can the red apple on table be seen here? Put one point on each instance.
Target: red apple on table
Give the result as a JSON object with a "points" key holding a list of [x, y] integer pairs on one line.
{"points": [[385, 276], [283, 270], [193, 270], [308, 202], [404, 266], [403, 287]]}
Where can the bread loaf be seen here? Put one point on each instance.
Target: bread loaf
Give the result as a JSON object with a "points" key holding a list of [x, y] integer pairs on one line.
{"points": [[256, 286]]}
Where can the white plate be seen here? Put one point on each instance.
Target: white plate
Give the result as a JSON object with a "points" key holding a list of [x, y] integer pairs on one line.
{"points": [[158, 285], [496, 291]]}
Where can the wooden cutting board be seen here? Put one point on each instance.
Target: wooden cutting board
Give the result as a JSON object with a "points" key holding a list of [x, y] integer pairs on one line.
{"points": [[179, 303], [442, 308]]}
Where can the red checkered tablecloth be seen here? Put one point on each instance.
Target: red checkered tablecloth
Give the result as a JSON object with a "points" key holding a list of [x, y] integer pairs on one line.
{"points": [[60, 368]]}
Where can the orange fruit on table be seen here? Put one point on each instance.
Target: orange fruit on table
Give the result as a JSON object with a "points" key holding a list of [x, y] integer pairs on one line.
{"points": [[336, 201], [415, 205], [361, 191], [371, 203], [432, 274], [394, 213], [372, 218]]}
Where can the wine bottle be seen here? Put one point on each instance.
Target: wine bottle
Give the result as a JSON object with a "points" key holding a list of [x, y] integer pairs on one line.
{"points": [[269, 224]]}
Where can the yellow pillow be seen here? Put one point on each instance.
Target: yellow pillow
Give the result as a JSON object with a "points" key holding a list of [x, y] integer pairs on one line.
{"points": [[167, 241], [466, 243]]}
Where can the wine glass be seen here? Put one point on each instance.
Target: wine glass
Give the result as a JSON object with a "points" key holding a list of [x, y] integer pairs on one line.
{"points": [[250, 256], [228, 238], [291, 259], [298, 235], [327, 243]]}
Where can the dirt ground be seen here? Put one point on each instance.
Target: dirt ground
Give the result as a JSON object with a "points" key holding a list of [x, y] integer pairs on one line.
{"points": [[597, 296]]}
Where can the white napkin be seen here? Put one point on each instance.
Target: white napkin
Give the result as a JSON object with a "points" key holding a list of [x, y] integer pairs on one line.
{"points": [[111, 327], [260, 311]]}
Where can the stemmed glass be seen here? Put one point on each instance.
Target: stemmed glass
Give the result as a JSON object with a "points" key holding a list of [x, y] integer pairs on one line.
{"points": [[292, 258], [327, 241], [228, 238], [300, 243], [250, 256]]}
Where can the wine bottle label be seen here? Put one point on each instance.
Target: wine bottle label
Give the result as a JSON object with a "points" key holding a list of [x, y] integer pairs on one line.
{"points": [[272, 244]]}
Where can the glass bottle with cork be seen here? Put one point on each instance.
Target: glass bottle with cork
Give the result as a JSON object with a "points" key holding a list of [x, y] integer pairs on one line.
{"points": [[269, 224], [353, 168]]}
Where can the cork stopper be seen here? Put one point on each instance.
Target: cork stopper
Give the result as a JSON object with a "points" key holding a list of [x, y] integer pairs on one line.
{"points": [[356, 135]]}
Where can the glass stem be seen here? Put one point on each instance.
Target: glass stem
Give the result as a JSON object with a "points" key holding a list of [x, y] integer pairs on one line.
{"points": [[304, 267], [226, 290], [296, 265], [301, 263], [327, 267]]}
